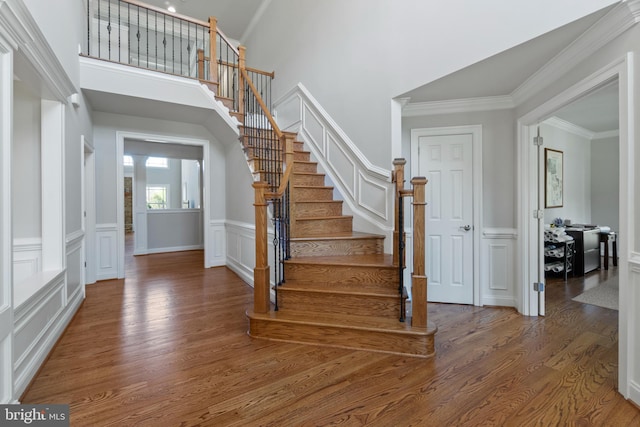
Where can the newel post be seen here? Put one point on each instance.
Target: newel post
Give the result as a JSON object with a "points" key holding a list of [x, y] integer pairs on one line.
{"points": [[261, 301], [398, 178], [241, 66], [213, 43], [418, 277]]}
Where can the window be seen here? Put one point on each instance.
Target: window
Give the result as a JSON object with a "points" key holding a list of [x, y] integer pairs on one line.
{"points": [[127, 160], [157, 162], [157, 196]]}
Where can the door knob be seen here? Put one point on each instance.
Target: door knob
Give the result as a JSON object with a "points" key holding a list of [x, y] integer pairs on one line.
{"points": [[465, 228]]}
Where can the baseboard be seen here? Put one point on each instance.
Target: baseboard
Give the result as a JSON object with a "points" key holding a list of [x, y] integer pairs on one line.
{"points": [[172, 249]]}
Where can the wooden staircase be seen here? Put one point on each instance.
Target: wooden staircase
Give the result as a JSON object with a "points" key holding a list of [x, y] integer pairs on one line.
{"points": [[341, 290]]}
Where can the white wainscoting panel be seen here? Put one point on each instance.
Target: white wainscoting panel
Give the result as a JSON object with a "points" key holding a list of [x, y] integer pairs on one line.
{"points": [[366, 189], [241, 249], [217, 252], [107, 251], [75, 264], [497, 261], [633, 320], [27, 258]]}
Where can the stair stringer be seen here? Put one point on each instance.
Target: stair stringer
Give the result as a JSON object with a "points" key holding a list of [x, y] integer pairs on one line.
{"points": [[366, 189]]}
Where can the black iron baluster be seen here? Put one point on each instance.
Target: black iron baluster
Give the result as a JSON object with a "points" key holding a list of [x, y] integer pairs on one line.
{"points": [[109, 27], [119, 35], [138, 35], [99, 31], [88, 29], [173, 45], [181, 38]]}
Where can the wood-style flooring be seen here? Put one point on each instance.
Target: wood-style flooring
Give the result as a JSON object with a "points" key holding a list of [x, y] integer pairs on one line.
{"points": [[168, 347]]}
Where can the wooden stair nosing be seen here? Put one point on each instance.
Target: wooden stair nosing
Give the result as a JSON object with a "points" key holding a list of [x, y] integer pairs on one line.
{"points": [[288, 287], [402, 340], [340, 236], [375, 260], [362, 323]]}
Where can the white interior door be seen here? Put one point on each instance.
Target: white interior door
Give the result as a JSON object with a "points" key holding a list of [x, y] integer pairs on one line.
{"points": [[447, 162]]}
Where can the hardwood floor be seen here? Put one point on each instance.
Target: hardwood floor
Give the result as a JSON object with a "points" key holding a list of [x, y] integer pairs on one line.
{"points": [[168, 347]]}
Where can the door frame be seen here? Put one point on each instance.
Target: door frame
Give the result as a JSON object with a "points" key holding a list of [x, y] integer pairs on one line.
{"points": [[6, 232], [88, 196], [206, 182], [476, 134], [530, 240]]}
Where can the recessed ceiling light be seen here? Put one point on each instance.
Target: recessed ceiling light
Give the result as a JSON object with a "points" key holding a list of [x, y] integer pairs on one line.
{"points": [[171, 9]]}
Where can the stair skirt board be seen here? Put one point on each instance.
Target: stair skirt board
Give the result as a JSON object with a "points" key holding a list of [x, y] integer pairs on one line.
{"points": [[403, 342]]}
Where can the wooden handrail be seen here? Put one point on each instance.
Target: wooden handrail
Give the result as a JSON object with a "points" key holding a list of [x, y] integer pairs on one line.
{"points": [[288, 156], [271, 74], [165, 12], [263, 106]]}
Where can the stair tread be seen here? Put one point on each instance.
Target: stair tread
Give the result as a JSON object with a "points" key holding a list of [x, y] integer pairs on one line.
{"points": [[347, 235], [345, 321], [308, 173], [372, 260]]}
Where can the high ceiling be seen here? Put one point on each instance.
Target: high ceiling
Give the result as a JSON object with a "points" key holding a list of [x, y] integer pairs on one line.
{"points": [[502, 74], [234, 16]]}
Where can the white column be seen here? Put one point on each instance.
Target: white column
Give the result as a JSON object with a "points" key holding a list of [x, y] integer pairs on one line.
{"points": [[140, 204]]}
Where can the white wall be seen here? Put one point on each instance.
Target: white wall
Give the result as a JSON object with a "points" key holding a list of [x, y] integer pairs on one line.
{"points": [[576, 176], [356, 56], [174, 230], [26, 175], [498, 158], [605, 184], [107, 124]]}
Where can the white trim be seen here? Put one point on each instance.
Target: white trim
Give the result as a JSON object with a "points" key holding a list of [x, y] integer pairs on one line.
{"points": [[606, 134], [621, 69], [499, 233], [342, 162], [21, 30], [6, 233], [355, 151], [74, 238], [450, 106], [566, 126], [173, 249], [161, 139], [614, 23], [476, 132], [239, 254]]}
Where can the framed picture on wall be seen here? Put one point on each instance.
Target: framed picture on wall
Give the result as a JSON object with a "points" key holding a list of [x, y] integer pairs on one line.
{"points": [[553, 177]]}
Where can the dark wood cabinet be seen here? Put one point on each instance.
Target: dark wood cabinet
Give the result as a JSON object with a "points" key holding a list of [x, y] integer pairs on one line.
{"points": [[587, 257]]}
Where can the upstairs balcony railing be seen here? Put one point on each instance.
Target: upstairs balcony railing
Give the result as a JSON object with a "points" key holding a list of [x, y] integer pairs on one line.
{"points": [[140, 35]]}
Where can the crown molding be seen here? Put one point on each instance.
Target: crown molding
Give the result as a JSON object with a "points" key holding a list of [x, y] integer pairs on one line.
{"points": [[606, 134], [566, 126], [21, 30], [617, 21], [488, 103]]}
